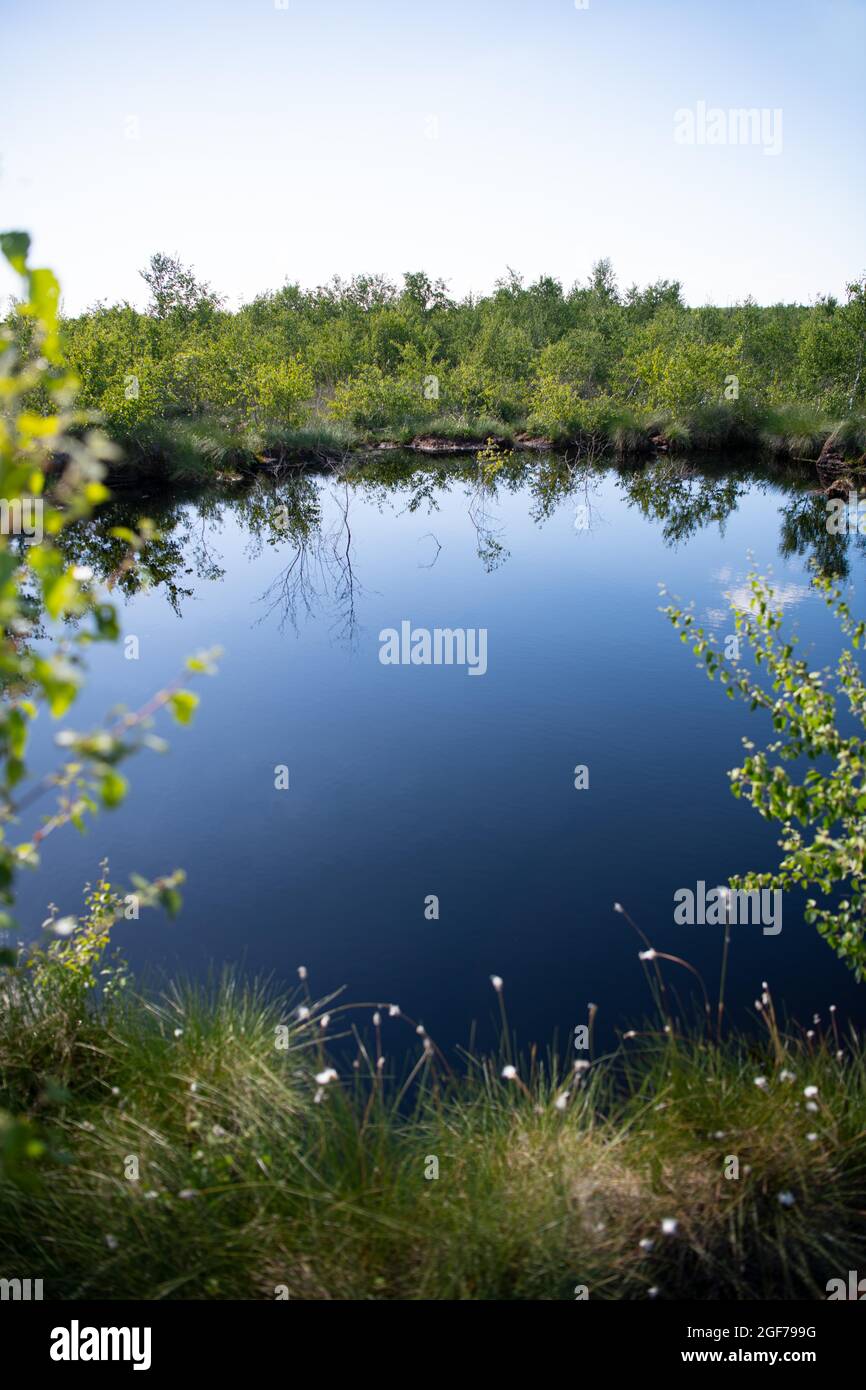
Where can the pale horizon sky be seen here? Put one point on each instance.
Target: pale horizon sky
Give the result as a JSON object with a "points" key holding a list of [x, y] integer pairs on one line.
{"points": [[261, 144]]}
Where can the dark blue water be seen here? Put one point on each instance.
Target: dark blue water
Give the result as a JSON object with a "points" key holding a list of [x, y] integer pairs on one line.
{"points": [[408, 781]]}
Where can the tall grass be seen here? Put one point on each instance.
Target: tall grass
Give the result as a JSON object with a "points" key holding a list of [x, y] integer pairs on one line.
{"points": [[310, 1170]]}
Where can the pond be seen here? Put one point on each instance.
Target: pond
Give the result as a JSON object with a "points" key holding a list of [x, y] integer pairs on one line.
{"points": [[410, 827]]}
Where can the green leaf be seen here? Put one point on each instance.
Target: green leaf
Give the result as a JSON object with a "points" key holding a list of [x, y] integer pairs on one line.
{"points": [[183, 704], [16, 247], [112, 788]]}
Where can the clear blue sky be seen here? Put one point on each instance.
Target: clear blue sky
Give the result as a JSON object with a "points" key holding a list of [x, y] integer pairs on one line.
{"points": [[458, 137]]}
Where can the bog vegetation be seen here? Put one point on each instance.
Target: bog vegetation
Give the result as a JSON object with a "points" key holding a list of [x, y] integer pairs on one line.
{"points": [[226, 1141], [365, 360]]}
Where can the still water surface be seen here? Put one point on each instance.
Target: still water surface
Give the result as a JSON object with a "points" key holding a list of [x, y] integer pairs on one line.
{"points": [[408, 781]]}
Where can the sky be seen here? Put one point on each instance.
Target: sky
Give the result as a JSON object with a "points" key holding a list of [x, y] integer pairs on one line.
{"points": [[271, 140]]}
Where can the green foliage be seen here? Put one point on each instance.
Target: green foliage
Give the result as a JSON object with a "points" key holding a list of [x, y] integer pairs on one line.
{"points": [[52, 463], [280, 390], [371, 399], [358, 352], [821, 808], [268, 1166]]}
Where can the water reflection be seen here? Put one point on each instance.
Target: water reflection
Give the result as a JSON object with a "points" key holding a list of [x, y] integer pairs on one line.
{"points": [[289, 514]]}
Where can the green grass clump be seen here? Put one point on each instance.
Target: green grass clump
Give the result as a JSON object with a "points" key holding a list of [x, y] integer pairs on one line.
{"points": [[308, 1169]]}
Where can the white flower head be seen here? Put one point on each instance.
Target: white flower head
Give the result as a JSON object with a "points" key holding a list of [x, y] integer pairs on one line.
{"points": [[810, 1091], [646, 1245], [394, 1011], [302, 972], [786, 1199], [62, 926], [323, 1078], [497, 983], [377, 1019], [509, 1073], [669, 1226], [647, 955], [761, 1083]]}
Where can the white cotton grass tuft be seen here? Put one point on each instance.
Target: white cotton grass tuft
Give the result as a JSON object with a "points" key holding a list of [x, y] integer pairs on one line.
{"points": [[324, 1078], [786, 1199], [670, 1226], [788, 1076], [303, 1013], [112, 1242], [509, 1073], [324, 1020], [618, 907], [377, 1019], [393, 1010], [497, 983], [302, 972], [810, 1091], [561, 1102], [61, 926], [647, 955], [761, 1083], [646, 1245]]}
